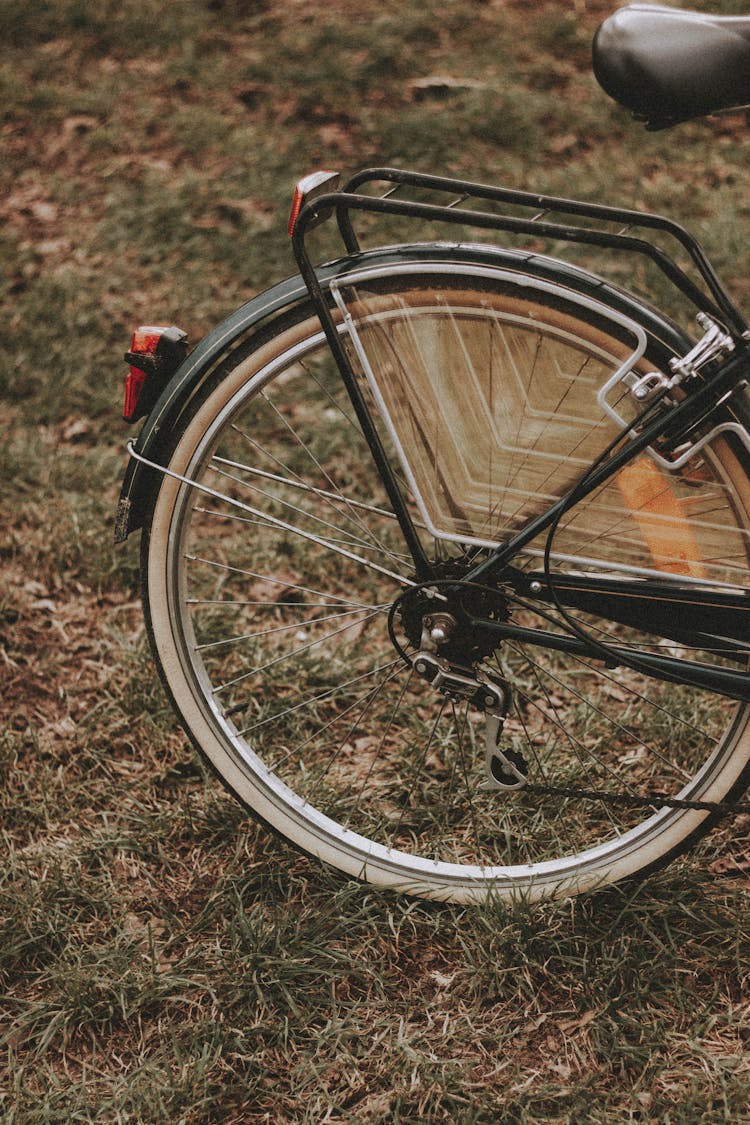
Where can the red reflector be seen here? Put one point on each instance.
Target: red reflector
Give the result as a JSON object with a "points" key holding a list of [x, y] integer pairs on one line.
{"points": [[145, 342], [154, 356], [308, 189], [134, 381], [146, 339]]}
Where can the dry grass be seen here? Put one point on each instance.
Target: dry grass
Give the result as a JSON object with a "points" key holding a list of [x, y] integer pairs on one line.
{"points": [[161, 959]]}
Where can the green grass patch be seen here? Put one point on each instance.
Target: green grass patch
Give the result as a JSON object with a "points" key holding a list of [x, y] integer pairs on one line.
{"points": [[161, 958]]}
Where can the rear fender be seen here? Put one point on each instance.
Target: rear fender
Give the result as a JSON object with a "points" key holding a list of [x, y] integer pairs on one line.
{"points": [[156, 436]]}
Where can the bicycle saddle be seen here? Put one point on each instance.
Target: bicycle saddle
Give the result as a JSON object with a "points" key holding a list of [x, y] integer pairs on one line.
{"points": [[667, 65]]}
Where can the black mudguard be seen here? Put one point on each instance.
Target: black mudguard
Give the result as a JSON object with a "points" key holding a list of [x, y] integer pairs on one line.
{"points": [[155, 438]]}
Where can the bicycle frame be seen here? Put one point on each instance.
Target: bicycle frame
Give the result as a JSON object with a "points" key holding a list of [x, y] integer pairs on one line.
{"points": [[718, 617]]}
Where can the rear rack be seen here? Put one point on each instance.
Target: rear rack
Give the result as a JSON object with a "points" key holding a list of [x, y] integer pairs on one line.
{"points": [[313, 204], [545, 221]]}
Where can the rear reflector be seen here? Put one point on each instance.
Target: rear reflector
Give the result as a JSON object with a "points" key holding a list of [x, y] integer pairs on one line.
{"points": [[154, 356]]}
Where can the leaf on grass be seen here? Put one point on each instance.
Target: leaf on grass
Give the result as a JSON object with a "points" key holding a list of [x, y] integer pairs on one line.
{"points": [[613, 691], [36, 589], [73, 429], [441, 85], [634, 757], [730, 865], [442, 980], [563, 144], [45, 605], [581, 1021], [79, 123]]}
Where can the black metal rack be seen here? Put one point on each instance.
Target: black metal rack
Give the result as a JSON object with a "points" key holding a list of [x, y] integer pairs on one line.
{"points": [[710, 297], [544, 222]]}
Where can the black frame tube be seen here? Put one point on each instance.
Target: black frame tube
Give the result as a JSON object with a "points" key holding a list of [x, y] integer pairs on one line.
{"points": [[422, 568], [709, 677]]}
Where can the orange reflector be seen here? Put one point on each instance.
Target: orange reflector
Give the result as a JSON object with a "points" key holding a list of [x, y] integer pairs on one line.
{"points": [[308, 189], [650, 497], [296, 208]]}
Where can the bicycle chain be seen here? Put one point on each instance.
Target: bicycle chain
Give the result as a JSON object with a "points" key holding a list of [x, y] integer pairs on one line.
{"points": [[735, 808]]}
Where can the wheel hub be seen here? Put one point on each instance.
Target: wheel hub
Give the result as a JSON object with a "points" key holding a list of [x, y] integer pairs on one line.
{"points": [[440, 617]]}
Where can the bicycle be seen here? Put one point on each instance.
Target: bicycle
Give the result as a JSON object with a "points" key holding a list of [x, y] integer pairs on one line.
{"points": [[445, 548]]}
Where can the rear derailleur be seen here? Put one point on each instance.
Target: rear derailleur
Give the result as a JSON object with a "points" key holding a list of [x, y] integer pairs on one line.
{"points": [[505, 769]]}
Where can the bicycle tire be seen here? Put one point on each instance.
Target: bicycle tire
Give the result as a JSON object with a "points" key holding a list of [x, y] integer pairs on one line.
{"points": [[271, 560]]}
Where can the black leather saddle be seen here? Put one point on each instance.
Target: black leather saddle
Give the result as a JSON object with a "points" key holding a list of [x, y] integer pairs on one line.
{"points": [[667, 65]]}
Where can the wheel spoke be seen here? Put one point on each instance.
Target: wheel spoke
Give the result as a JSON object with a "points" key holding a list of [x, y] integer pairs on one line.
{"points": [[306, 514], [295, 625], [311, 701], [285, 656]]}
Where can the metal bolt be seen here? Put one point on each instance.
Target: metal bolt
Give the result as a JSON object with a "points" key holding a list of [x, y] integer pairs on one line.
{"points": [[536, 587], [441, 625]]}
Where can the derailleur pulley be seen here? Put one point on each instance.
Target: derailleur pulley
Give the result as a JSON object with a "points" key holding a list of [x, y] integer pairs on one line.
{"points": [[504, 769]]}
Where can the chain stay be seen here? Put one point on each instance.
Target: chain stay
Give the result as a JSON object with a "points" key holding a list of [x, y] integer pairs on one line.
{"points": [[490, 698], [734, 808]]}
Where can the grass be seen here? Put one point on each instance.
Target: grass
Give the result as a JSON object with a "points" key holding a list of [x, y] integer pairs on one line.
{"points": [[161, 958]]}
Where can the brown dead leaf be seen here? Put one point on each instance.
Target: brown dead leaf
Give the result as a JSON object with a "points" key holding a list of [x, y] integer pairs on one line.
{"points": [[612, 691], [44, 211], [441, 85], [73, 429], [730, 865], [245, 211], [54, 247], [581, 1021], [79, 123], [36, 589], [335, 136], [44, 605], [563, 144]]}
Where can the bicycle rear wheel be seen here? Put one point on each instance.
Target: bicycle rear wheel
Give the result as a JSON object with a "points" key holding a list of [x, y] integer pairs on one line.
{"points": [[272, 558]]}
